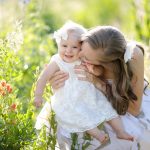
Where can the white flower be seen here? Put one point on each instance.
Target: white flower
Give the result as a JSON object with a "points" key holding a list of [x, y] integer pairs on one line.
{"points": [[129, 51], [60, 34], [15, 38]]}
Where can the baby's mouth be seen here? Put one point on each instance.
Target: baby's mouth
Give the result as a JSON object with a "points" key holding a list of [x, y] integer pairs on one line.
{"points": [[68, 56]]}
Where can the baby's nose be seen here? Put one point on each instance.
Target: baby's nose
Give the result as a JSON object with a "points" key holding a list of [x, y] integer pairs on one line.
{"points": [[68, 49]]}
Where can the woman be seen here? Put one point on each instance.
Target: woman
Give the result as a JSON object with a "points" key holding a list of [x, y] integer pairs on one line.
{"points": [[123, 78]]}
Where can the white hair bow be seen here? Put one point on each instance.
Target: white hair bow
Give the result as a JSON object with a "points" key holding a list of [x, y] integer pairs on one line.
{"points": [[129, 51], [60, 34]]}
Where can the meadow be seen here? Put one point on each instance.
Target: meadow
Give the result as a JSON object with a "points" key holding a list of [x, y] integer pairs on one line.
{"points": [[26, 46]]}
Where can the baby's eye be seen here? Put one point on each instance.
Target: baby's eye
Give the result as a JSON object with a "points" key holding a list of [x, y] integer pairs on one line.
{"points": [[64, 45], [75, 47]]}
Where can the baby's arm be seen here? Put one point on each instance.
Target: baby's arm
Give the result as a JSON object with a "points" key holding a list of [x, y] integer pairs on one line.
{"points": [[46, 74]]}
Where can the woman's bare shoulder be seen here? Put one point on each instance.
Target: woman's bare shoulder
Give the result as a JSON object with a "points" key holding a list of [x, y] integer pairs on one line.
{"points": [[137, 53], [137, 64], [137, 60]]}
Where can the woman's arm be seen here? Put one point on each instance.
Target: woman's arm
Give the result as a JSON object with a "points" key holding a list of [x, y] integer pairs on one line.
{"points": [[58, 79], [46, 74], [137, 83]]}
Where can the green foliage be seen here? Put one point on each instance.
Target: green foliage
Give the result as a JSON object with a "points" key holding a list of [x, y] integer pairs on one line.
{"points": [[141, 20], [74, 145], [38, 47], [16, 128], [141, 11], [46, 137], [26, 47]]}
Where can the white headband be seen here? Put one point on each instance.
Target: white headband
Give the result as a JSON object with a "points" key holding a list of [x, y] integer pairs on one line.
{"points": [[58, 35], [69, 25], [129, 51]]}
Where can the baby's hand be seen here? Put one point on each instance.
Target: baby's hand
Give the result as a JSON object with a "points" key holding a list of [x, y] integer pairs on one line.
{"points": [[38, 101]]}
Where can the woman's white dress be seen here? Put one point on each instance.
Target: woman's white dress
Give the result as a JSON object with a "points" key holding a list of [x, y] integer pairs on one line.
{"points": [[78, 105]]}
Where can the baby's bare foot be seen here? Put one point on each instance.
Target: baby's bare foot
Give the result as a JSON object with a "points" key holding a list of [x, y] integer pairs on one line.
{"points": [[103, 138], [124, 135], [100, 135]]}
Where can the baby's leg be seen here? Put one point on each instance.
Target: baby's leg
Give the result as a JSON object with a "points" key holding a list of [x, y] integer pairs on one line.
{"points": [[99, 135], [117, 125]]}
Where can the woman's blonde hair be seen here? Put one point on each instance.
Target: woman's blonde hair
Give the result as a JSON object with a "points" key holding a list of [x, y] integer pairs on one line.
{"points": [[113, 44]]}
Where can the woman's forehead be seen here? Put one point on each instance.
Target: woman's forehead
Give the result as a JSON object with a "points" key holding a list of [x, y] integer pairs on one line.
{"points": [[89, 50], [91, 54]]}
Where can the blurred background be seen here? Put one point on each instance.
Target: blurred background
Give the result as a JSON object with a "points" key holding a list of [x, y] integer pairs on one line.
{"points": [[26, 28]]}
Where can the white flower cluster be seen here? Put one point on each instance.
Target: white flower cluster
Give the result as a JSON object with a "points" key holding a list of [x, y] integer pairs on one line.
{"points": [[15, 38]]}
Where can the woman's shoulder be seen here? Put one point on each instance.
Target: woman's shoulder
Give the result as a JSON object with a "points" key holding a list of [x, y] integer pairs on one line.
{"points": [[138, 53], [137, 62]]}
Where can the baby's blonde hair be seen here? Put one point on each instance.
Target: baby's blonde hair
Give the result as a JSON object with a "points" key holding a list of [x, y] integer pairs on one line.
{"points": [[62, 33]]}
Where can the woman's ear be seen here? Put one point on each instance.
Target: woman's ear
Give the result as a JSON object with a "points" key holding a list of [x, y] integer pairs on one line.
{"points": [[98, 70], [90, 67]]}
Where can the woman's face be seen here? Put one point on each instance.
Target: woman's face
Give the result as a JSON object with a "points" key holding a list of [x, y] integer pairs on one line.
{"points": [[90, 55]]}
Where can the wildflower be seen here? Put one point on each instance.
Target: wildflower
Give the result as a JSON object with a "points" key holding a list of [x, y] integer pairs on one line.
{"points": [[3, 83], [8, 88], [15, 38], [3, 93], [1, 88], [26, 1], [13, 106], [5, 87]]}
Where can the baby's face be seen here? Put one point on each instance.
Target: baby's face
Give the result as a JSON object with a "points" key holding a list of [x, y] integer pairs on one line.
{"points": [[69, 49]]}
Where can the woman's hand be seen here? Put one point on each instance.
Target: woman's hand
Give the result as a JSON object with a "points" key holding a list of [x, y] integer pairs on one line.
{"points": [[58, 80], [85, 75]]}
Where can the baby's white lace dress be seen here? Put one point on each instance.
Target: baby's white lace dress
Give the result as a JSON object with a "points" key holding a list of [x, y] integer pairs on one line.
{"points": [[78, 105]]}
